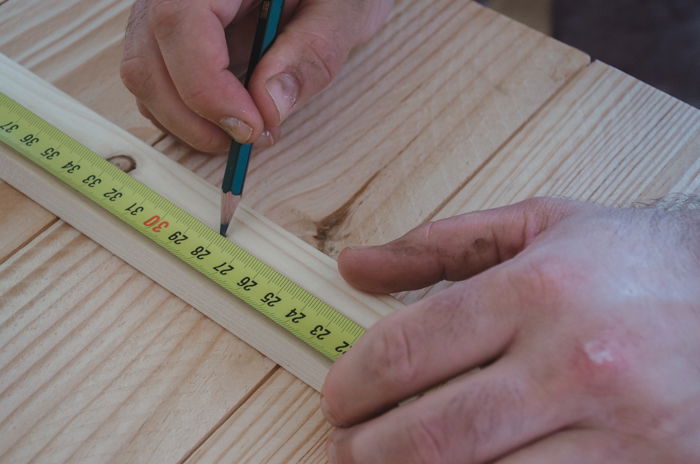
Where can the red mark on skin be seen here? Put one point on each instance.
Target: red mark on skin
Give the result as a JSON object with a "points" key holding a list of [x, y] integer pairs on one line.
{"points": [[605, 361], [599, 352]]}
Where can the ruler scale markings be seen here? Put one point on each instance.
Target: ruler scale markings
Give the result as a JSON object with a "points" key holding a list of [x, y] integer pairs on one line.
{"points": [[230, 266]]}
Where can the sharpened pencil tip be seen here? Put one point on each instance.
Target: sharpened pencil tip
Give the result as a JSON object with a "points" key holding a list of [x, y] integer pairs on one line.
{"points": [[229, 203]]}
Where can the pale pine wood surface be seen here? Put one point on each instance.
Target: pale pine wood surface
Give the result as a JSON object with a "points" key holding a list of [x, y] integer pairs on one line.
{"points": [[146, 414], [76, 45], [26, 216], [293, 433], [96, 359], [607, 138], [227, 418]]}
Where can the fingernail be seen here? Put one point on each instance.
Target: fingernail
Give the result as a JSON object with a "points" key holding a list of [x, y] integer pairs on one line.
{"points": [[284, 91], [265, 140], [237, 129]]}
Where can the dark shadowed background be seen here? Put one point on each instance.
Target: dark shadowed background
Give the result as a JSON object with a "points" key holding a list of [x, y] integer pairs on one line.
{"points": [[656, 41]]}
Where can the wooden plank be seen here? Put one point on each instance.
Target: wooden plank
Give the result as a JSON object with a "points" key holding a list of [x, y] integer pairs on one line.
{"points": [[95, 359], [301, 263], [412, 115], [61, 44], [606, 137], [401, 51], [77, 46], [55, 384], [283, 414]]}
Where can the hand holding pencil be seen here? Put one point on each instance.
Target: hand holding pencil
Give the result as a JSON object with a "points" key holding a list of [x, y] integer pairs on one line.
{"points": [[179, 57]]}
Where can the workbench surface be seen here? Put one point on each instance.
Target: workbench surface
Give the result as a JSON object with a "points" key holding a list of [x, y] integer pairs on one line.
{"points": [[451, 108]]}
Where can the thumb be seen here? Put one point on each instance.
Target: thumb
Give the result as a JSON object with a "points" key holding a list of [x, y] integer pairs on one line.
{"points": [[309, 51], [451, 249]]}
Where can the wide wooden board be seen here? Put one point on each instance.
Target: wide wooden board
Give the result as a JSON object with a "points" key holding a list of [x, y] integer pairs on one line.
{"points": [[416, 32], [605, 137]]}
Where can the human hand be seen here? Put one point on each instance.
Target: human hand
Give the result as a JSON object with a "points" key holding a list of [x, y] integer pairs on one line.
{"points": [[177, 55], [585, 321]]}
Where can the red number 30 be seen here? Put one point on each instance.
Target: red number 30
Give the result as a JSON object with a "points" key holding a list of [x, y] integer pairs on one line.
{"points": [[156, 223]]}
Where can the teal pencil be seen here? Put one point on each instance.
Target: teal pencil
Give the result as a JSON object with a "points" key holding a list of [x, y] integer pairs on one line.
{"points": [[239, 154]]}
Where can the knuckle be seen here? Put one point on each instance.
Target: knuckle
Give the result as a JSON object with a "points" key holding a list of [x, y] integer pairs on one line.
{"points": [[137, 76], [326, 53], [538, 202], [145, 112], [394, 362], [323, 54], [546, 278], [164, 16], [197, 97], [207, 142], [424, 441]]}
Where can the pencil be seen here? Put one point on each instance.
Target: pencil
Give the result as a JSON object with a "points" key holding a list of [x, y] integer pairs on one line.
{"points": [[239, 154]]}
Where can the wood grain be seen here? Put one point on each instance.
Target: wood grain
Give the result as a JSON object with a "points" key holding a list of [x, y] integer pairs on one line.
{"points": [[363, 66], [165, 414], [454, 81], [60, 396], [343, 163], [77, 46], [95, 358], [19, 216], [606, 137], [283, 414]]}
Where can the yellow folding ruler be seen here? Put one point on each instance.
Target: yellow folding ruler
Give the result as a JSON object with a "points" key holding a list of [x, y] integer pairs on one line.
{"points": [[233, 268]]}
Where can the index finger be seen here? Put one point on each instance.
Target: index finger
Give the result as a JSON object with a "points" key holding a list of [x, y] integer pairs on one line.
{"points": [[421, 346], [451, 249], [192, 40]]}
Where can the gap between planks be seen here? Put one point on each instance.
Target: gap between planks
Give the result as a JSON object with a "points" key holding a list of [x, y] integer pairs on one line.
{"points": [[263, 380], [31, 237]]}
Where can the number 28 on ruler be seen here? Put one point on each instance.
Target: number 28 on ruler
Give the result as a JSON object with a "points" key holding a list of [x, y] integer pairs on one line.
{"points": [[183, 236]]}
